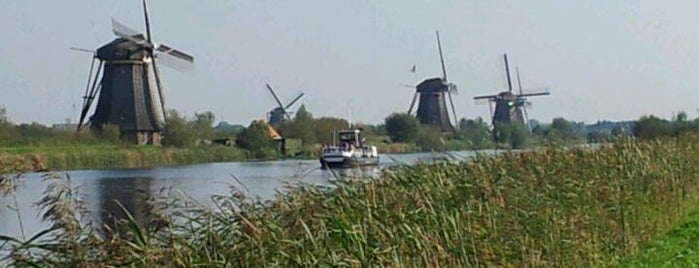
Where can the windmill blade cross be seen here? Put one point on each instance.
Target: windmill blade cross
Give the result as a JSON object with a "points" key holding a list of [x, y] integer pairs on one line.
{"points": [[453, 110], [507, 72], [519, 81], [159, 84], [294, 101], [485, 97], [412, 103], [175, 53], [90, 96], [544, 93], [156, 70], [441, 57], [145, 14], [174, 63], [526, 118], [275, 96], [83, 50]]}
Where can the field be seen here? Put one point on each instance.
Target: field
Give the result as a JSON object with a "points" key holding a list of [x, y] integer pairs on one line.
{"points": [[552, 207]]}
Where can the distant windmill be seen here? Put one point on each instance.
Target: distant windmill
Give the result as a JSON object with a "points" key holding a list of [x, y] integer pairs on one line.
{"points": [[127, 97], [508, 106], [432, 109], [280, 113]]}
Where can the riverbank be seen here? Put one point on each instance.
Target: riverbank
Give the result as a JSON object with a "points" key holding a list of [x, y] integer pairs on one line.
{"points": [[101, 156], [567, 207], [676, 248], [109, 156]]}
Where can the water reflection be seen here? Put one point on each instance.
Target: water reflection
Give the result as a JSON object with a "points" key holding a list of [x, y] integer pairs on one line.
{"points": [[130, 192], [364, 172]]}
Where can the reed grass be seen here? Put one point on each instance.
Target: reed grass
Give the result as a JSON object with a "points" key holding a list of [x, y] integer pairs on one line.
{"points": [[114, 156], [552, 207]]}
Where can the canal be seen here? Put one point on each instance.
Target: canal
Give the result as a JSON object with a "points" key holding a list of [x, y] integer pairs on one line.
{"points": [[100, 188]]}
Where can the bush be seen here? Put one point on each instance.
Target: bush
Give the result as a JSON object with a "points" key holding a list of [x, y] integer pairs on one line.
{"points": [[402, 127], [255, 138]]}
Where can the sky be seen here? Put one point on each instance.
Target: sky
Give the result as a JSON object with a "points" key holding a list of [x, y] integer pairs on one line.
{"points": [[601, 60]]}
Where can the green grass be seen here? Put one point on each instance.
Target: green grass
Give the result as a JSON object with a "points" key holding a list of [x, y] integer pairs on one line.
{"points": [[24, 149], [677, 248]]}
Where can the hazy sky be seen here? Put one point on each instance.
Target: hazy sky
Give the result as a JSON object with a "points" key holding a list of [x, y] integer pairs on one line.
{"points": [[613, 60]]}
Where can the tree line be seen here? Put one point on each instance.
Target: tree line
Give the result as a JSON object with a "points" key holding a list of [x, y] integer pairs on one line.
{"points": [[399, 132]]}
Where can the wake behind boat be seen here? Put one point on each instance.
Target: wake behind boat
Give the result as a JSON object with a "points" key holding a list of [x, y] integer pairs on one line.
{"points": [[348, 150]]}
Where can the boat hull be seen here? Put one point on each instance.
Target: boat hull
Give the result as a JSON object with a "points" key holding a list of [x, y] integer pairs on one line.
{"points": [[347, 162]]}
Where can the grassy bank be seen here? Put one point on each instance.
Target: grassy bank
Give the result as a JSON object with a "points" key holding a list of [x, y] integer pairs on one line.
{"points": [[550, 207], [677, 248], [116, 156]]}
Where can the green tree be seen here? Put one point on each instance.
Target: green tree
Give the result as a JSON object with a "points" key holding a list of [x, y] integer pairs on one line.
{"points": [[430, 139], [651, 127], [301, 127], [597, 136], [372, 130], [302, 115], [4, 119], [402, 127], [501, 133], [519, 136], [512, 135], [202, 125], [681, 124], [560, 130], [255, 138], [563, 129], [475, 132], [8, 135], [617, 132], [325, 127], [176, 131]]}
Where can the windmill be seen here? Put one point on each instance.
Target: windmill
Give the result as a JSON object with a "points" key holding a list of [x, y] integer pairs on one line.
{"points": [[510, 107], [127, 97], [280, 113], [523, 102], [432, 109]]}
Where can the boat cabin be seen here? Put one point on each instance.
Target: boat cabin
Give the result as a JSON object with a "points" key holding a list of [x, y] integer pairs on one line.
{"points": [[349, 137]]}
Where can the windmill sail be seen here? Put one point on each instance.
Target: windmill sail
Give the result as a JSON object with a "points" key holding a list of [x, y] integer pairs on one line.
{"points": [[124, 31]]}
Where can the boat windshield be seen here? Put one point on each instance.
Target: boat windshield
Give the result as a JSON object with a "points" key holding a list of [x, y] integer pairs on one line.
{"points": [[347, 137]]}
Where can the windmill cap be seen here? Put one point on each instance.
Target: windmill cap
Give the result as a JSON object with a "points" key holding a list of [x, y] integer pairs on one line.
{"points": [[432, 85], [121, 49]]}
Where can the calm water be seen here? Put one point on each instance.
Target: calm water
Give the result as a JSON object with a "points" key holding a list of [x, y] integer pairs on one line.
{"points": [[198, 182]]}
